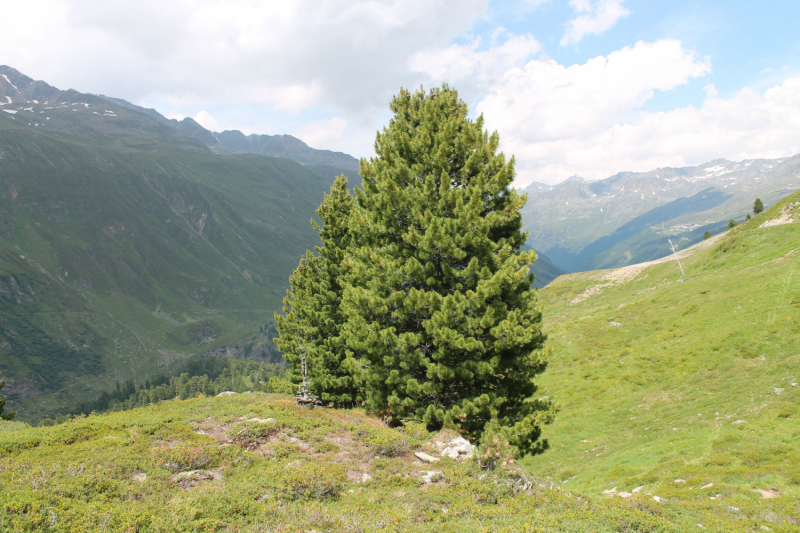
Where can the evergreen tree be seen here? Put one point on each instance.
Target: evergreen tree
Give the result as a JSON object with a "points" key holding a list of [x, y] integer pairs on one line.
{"points": [[758, 206], [706, 235], [748, 217], [313, 317], [441, 317], [5, 416], [732, 223]]}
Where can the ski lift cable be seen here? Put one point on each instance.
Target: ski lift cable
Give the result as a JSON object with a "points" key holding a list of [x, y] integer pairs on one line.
{"points": [[677, 259]]}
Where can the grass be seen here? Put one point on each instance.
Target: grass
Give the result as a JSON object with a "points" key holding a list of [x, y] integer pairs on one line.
{"points": [[661, 381], [680, 390], [200, 465]]}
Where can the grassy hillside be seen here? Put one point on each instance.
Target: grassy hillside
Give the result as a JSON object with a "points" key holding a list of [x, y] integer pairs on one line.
{"points": [[116, 261], [678, 386], [259, 463]]}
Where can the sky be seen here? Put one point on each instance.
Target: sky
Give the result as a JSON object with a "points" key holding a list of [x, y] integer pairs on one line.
{"points": [[573, 87]]}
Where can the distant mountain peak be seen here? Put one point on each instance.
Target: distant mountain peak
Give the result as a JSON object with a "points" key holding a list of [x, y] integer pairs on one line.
{"points": [[18, 91]]}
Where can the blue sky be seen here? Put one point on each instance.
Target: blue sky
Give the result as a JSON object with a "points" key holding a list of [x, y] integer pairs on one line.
{"points": [[741, 38], [587, 87]]}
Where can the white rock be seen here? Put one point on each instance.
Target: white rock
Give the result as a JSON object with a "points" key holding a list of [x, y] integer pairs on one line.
{"points": [[139, 476], [680, 481], [431, 476], [424, 457], [708, 486], [658, 499], [227, 393], [637, 489], [737, 422], [262, 420], [610, 491], [198, 475], [625, 494], [365, 478], [458, 448]]}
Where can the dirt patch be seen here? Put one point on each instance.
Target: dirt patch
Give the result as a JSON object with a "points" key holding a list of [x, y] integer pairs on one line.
{"points": [[768, 493], [616, 276]]}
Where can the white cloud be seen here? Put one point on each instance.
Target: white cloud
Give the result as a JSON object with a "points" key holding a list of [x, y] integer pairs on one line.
{"points": [[585, 119], [472, 68], [549, 113], [595, 17], [205, 119], [327, 133], [291, 55]]}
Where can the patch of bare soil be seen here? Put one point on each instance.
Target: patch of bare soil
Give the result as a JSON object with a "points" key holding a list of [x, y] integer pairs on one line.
{"points": [[617, 276], [768, 493]]}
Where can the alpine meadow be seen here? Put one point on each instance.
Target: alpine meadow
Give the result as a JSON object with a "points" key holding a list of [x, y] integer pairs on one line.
{"points": [[415, 266]]}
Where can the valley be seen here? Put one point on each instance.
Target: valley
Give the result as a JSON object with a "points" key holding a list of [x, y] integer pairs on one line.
{"points": [[626, 219]]}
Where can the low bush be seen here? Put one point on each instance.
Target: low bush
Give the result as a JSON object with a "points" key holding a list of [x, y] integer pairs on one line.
{"points": [[180, 456], [306, 480]]}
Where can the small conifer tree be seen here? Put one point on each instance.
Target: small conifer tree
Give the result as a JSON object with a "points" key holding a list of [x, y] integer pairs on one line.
{"points": [[441, 317], [748, 217], [706, 235], [758, 206], [313, 319], [5, 416], [732, 223]]}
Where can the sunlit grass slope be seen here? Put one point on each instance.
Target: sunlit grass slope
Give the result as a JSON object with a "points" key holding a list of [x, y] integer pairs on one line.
{"points": [[695, 381], [259, 463]]}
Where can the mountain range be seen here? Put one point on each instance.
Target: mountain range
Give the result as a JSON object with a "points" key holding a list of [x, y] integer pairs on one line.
{"points": [[629, 217], [130, 241], [127, 244]]}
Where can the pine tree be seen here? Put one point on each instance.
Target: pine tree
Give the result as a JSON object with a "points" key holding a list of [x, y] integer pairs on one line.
{"points": [[732, 223], [5, 416], [706, 235], [748, 217], [758, 206], [313, 317], [441, 317]]}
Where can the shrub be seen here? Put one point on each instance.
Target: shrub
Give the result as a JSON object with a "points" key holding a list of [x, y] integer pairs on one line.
{"points": [[180, 456], [283, 449], [325, 446], [311, 481], [250, 434], [388, 443], [706, 235]]}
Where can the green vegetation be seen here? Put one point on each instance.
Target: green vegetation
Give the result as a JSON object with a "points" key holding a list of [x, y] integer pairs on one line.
{"points": [[758, 206], [117, 261], [697, 381], [3, 414], [199, 375], [732, 223], [706, 235], [424, 287], [259, 463], [313, 317]]}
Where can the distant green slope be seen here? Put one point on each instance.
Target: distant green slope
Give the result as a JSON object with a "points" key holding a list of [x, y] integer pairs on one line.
{"points": [[116, 259], [696, 381]]}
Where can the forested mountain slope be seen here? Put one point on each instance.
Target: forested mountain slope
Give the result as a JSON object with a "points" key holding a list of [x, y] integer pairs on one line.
{"points": [[116, 260]]}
